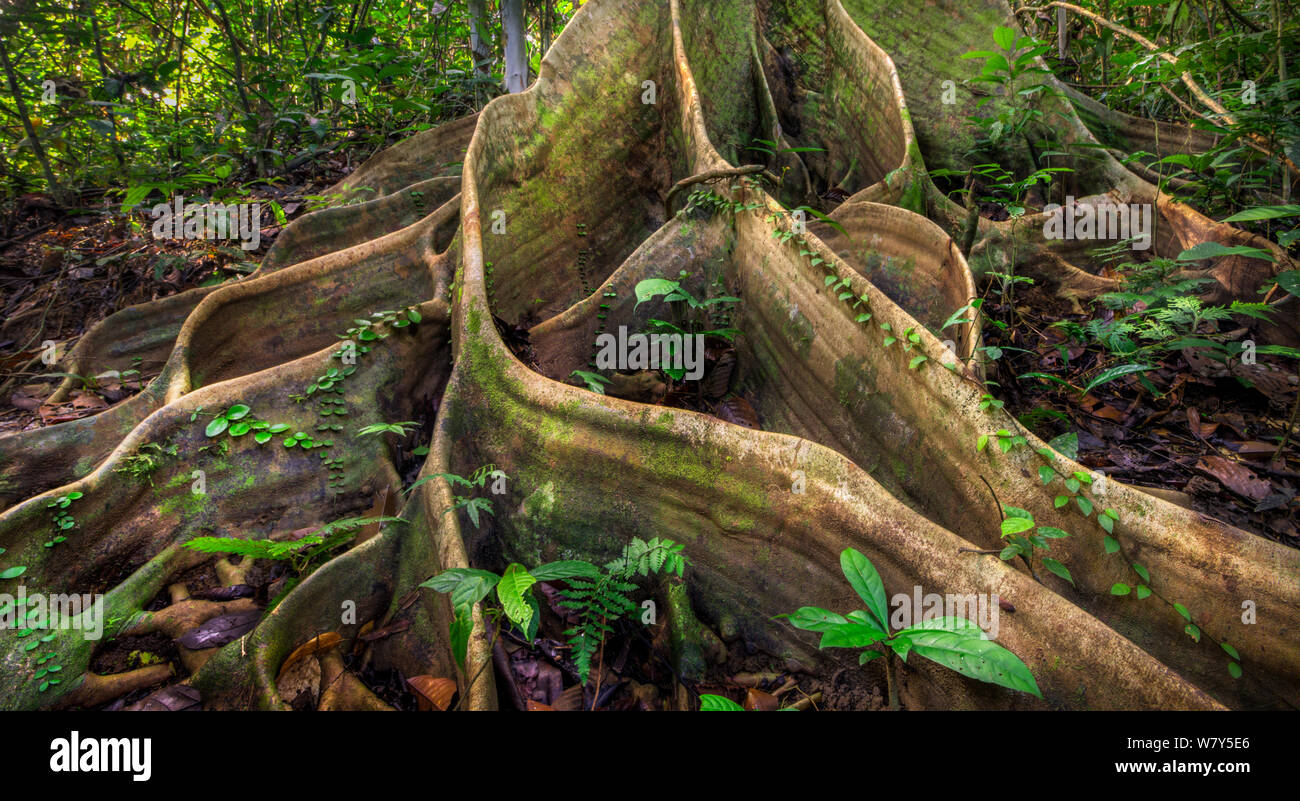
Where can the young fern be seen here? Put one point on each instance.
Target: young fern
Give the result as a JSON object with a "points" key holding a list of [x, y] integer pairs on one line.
{"points": [[598, 596], [602, 600]]}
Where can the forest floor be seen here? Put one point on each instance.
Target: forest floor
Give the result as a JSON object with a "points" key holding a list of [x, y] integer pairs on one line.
{"points": [[64, 270]]}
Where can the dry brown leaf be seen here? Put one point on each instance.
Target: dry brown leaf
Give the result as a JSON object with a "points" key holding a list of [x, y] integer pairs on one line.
{"points": [[570, 700], [1236, 477], [758, 701], [321, 642], [432, 692], [535, 706], [737, 410]]}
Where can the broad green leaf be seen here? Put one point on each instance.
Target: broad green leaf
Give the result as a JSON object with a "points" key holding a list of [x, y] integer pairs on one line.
{"points": [[1058, 568], [236, 412], [812, 618], [977, 658], [510, 591], [1015, 525], [652, 287], [1120, 588], [851, 635], [953, 623], [13, 572], [1263, 213], [1066, 444], [551, 571], [1214, 250], [1290, 281], [1004, 37], [866, 582], [449, 580], [717, 703], [218, 425], [461, 626]]}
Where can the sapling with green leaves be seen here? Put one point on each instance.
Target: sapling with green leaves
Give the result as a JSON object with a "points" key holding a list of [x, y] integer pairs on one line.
{"points": [[478, 479], [954, 642], [691, 315], [400, 429], [599, 596]]}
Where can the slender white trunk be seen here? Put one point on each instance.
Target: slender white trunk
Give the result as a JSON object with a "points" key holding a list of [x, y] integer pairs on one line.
{"points": [[516, 49], [479, 47]]}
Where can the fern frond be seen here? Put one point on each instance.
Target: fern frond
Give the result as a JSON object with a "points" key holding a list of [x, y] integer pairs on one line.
{"points": [[252, 549]]}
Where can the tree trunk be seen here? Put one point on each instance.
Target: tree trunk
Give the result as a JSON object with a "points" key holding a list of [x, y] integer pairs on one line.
{"points": [[480, 47], [861, 444], [515, 45]]}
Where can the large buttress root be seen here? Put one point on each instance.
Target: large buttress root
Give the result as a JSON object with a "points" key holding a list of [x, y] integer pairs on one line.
{"points": [[560, 213]]}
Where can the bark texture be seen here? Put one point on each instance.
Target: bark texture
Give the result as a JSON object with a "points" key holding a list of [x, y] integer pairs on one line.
{"points": [[578, 168]]}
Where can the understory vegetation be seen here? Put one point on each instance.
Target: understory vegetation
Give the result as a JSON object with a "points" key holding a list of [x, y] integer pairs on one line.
{"points": [[356, 358]]}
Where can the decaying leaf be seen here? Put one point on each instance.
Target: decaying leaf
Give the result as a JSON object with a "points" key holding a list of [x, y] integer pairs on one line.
{"points": [[432, 692], [321, 642]]}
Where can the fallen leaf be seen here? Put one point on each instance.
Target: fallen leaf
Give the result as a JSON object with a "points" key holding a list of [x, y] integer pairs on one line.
{"points": [[321, 642], [534, 706], [176, 698], [432, 692], [758, 701], [737, 410], [220, 630], [1236, 477], [225, 593]]}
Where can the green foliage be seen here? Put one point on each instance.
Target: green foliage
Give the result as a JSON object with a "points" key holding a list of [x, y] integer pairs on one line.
{"points": [[145, 461], [302, 555], [953, 642], [594, 381], [478, 479], [1013, 68], [400, 429], [598, 596], [211, 100], [718, 703], [1152, 317], [692, 317]]}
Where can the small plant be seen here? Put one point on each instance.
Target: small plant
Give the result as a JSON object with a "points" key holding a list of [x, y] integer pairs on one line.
{"points": [[954, 642], [302, 555], [400, 429], [598, 596], [145, 461], [691, 315], [61, 521], [471, 505], [594, 381], [1012, 67], [1152, 317]]}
